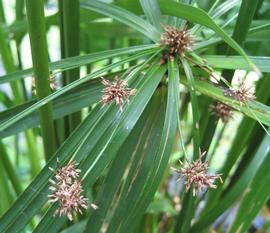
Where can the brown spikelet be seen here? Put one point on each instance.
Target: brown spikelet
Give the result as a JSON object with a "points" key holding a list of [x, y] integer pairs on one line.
{"points": [[117, 91], [67, 191], [242, 94], [222, 111], [196, 175], [178, 40]]}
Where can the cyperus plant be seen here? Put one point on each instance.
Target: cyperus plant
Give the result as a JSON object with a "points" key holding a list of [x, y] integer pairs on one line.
{"points": [[139, 108]]}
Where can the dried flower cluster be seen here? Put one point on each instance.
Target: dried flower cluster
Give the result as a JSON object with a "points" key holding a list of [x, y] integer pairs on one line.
{"points": [[196, 175], [222, 111], [178, 40], [67, 190], [242, 94], [117, 91]]}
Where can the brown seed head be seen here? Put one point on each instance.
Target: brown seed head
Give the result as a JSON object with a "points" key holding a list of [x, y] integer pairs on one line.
{"points": [[178, 40], [242, 94], [69, 198], [116, 91], [222, 111], [196, 176], [67, 191]]}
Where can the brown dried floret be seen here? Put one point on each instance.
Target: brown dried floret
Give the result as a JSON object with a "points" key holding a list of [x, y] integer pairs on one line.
{"points": [[69, 198], [67, 191], [178, 40], [117, 91], [242, 94], [196, 175], [222, 111]]}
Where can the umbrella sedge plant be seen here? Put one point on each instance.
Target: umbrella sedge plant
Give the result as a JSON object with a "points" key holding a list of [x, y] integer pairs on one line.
{"points": [[127, 137]]}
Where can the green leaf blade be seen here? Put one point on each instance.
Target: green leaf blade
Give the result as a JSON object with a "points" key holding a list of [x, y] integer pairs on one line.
{"points": [[125, 17]]}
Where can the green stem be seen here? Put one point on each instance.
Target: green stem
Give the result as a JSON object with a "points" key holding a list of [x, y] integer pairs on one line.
{"points": [[19, 9], [7, 59], [9, 65], [8, 167], [244, 19], [71, 33], [2, 13], [186, 214], [39, 49], [5, 194], [246, 14], [88, 50], [33, 155], [18, 38], [61, 125]]}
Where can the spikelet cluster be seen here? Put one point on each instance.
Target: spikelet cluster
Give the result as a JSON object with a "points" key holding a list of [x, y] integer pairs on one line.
{"points": [[67, 191], [222, 111], [195, 175], [243, 94], [178, 40], [117, 91]]}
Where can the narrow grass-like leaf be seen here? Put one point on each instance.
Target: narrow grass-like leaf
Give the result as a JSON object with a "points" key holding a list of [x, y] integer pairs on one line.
{"points": [[80, 97], [152, 12], [149, 177], [76, 228], [195, 109], [132, 148], [73, 62], [260, 110], [125, 17], [237, 62], [139, 167], [218, 11], [9, 168], [223, 8], [256, 196], [6, 194], [33, 198], [66, 89], [186, 214], [244, 19]]}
